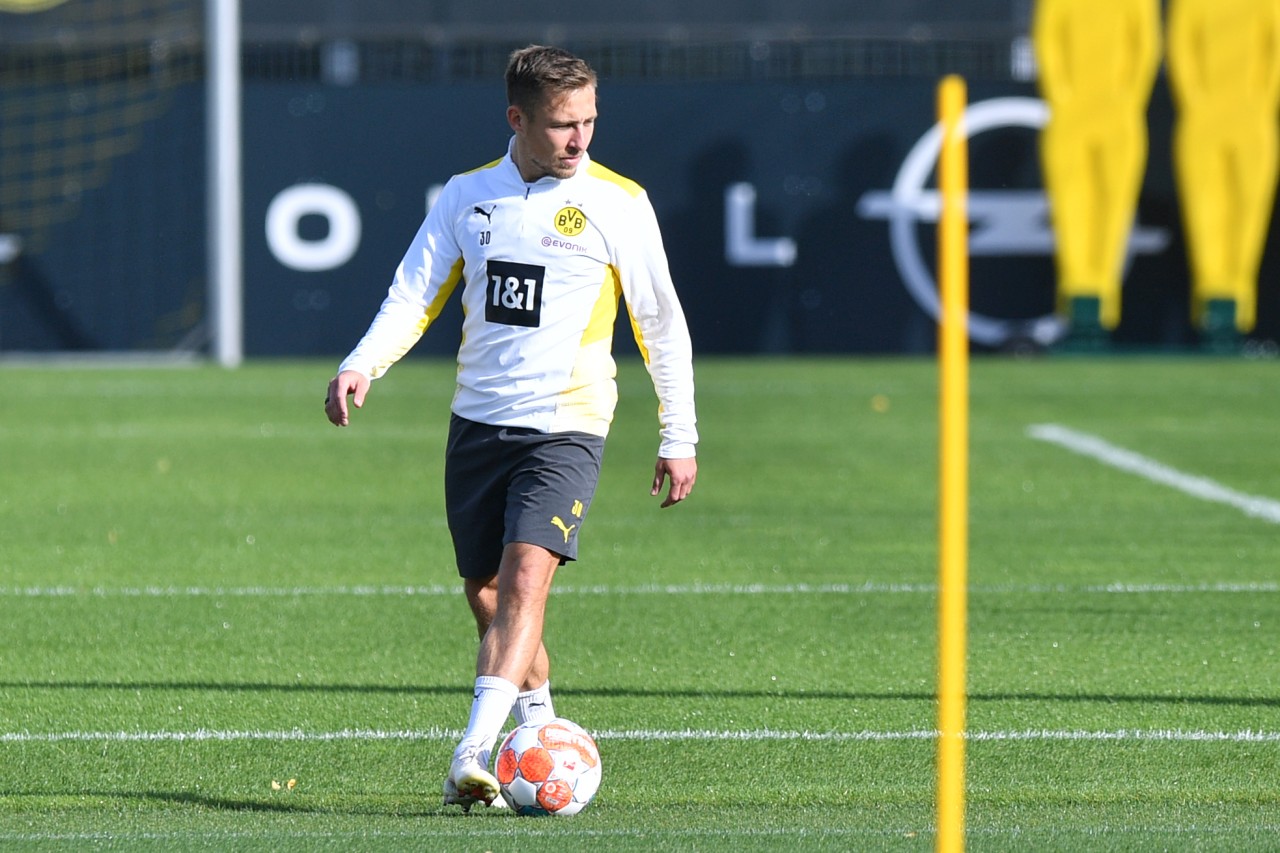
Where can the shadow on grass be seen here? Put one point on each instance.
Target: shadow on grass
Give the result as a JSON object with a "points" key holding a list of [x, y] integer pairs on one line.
{"points": [[641, 693], [229, 804], [285, 804]]}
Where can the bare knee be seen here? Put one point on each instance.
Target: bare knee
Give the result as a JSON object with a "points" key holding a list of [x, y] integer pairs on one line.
{"points": [[527, 570]]}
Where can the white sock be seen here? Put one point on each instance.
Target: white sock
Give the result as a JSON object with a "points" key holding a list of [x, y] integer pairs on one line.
{"points": [[489, 710], [534, 706]]}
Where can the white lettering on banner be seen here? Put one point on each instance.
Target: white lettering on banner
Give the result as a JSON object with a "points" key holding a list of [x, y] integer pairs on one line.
{"points": [[742, 248], [330, 252]]}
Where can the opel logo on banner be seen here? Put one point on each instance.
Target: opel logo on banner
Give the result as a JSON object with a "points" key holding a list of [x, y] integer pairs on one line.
{"points": [[1002, 222]]}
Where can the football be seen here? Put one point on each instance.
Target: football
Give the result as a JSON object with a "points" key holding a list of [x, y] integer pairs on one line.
{"points": [[550, 768]]}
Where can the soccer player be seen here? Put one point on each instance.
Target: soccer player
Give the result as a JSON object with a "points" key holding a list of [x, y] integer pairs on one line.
{"points": [[541, 243]]}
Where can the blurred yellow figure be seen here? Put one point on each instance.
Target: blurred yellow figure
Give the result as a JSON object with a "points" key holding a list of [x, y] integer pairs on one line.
{"points": [[1224, 67], [1098, 60]]}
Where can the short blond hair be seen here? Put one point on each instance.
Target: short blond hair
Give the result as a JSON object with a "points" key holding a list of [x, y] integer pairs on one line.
{"points": [[538, 72]]}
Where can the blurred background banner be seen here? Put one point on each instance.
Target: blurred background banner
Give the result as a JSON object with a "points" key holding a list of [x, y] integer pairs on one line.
{"points": [[786, 153]]}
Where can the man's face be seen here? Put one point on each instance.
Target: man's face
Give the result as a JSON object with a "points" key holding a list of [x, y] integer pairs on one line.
{"points": [[551, 139]]}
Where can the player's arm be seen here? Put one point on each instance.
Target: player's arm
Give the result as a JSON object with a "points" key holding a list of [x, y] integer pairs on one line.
{"points": [[663, 337], [423, 282]]}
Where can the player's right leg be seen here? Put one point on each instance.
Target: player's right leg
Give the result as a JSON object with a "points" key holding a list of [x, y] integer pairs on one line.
{"points": [[508, 650], [482, 596], [515, 501]]}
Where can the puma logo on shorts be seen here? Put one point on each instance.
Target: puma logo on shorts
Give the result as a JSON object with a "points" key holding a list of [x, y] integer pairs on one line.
{"points": [[555, 519]]}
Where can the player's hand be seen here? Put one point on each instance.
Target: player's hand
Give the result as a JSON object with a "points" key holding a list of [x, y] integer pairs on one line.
{"points": [[681, 472], [348, 382]]}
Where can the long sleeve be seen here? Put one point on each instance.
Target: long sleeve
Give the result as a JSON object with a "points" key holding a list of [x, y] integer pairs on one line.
{"points": [[660, 328], [422, 285]]}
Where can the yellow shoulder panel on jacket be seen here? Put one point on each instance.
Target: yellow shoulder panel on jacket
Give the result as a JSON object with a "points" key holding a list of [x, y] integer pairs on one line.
{"points": [[489, 165], [604, 173]]}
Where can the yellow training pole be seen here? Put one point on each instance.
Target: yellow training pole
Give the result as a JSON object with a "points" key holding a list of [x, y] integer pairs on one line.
{"points": [[953, 354]]}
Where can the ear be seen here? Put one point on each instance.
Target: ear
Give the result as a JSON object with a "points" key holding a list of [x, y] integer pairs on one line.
{"points": [[515, 118]]}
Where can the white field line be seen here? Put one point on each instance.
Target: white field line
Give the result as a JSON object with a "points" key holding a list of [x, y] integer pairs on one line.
{"points": [[391, 591], [427, 838], [642, 735], [1203, 488]]}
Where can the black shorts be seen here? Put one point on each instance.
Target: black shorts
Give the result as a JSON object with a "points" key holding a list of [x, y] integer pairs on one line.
{"points": [[510, 484]]}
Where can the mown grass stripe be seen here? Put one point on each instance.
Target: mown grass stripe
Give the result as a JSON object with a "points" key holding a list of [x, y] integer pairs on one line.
{"points": [[502, 830], [392, 591], [647, 735]]}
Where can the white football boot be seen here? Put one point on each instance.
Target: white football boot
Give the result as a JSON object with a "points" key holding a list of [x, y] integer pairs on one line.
{"points": [[469, 782]]}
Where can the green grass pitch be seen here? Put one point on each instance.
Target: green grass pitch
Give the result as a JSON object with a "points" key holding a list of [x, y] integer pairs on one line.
{"points": [[207, 589]]}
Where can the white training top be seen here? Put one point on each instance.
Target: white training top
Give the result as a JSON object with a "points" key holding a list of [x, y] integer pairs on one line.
{"points": [[542, 266]]}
